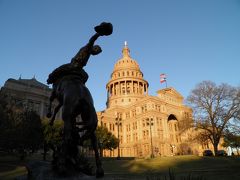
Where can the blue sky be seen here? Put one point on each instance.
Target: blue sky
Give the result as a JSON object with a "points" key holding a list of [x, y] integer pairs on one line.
{"points": [[189, 40]]}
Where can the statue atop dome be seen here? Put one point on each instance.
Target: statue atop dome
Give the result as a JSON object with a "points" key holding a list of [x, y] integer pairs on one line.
{"points": [[126, 51]]}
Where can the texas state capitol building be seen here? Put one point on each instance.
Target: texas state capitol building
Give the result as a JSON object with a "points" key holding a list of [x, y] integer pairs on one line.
{"points": [[146, 125]]}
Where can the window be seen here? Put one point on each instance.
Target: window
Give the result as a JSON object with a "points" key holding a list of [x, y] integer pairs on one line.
{"points": [[175, 126], [147, 133], [128, 90], [134, 113], [143, 123], [123, 90]]}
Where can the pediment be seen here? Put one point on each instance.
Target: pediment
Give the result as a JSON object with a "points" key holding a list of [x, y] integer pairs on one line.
{"points": [[170, 92]]}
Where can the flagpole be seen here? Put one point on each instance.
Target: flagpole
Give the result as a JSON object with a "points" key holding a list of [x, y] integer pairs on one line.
{"points": [[163, 79]]}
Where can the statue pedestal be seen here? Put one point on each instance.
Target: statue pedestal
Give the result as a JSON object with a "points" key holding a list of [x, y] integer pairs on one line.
{"points": [[42, 170]]}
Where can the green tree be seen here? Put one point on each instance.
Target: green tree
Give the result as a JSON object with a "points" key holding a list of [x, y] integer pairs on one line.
{"points": [[20, 128], [29, 132], [106, 139], [214, 106], [52, 135], [232, 140]]}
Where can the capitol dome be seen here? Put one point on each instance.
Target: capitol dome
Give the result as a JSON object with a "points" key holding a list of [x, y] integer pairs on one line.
{"points": [[127, 84], [126, 62]]}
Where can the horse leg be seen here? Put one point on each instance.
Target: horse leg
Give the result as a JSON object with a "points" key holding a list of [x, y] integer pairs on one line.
{"points": [[89, 117], [67, 138], [67, 117], [99, 171], [55, 113]]}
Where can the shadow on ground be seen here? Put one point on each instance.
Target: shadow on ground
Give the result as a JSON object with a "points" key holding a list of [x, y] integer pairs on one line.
{"points": [[182, 168]]}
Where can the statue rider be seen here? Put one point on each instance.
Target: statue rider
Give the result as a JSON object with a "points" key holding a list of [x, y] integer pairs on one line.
{"points": [[75, 67]]}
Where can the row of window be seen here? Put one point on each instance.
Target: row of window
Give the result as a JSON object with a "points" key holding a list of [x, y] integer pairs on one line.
{"points": [[145, 123], [128, 90], [127, 73]]}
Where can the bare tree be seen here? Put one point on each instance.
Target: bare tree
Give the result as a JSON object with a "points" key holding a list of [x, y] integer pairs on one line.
{"points": [[214, 108]]}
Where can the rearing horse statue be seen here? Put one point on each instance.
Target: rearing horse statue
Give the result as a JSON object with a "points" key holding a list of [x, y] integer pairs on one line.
{"points": [[75, 99]]}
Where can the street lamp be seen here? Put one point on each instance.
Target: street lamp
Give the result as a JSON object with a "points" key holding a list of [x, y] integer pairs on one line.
{"points": [[150, 125], [118, 120]]}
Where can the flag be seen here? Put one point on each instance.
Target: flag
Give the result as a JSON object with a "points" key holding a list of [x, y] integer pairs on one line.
{"points": [[163, 78]]}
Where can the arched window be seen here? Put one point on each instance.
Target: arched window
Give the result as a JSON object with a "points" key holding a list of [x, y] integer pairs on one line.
{"points": [[172, 117]]}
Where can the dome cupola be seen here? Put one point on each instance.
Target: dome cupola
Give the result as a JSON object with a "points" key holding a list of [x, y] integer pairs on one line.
{"points": [[127, 84]]}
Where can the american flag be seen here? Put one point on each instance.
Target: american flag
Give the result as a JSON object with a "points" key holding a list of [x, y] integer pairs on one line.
{"points": [[163, 78]]}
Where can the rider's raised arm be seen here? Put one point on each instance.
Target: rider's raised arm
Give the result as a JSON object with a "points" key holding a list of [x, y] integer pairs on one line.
{"points": [[93, 39], [81, 58], [84, 53]]}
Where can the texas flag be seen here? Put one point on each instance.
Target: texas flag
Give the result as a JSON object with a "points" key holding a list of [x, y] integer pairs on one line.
{"points": [[163, 78]]}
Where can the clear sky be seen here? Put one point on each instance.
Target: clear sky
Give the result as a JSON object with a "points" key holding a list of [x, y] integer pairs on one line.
{"points": [[189, 40]]}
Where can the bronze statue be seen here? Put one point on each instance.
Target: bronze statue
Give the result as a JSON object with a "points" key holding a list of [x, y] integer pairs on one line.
{"points": [[75, 99]]}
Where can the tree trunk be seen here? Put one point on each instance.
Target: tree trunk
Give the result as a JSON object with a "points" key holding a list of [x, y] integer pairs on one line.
{"points": [[215, 146], [45, 150], [101, 152]]}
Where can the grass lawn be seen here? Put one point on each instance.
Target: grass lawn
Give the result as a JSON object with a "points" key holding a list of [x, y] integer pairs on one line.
{"points": [[208, 168]]}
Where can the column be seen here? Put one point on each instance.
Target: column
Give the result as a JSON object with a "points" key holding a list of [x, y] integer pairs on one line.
{"points": [[120, 88], [132, 87], [138, 88], [125, 87], [113, 89]]}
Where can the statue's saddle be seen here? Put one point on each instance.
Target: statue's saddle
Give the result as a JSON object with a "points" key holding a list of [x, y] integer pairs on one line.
{"points": [[67, 69]]}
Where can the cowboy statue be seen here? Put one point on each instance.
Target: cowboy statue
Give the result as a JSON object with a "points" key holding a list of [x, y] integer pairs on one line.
{"points": [[75, 99]]}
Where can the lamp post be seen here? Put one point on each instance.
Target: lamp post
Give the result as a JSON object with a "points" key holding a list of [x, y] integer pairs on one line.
{"points": [[118, 123], [150, 123], [172, 148]]}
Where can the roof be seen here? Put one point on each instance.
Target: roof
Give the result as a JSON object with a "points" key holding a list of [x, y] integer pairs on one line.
{"points": [[170, 91], [28, 82]]}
